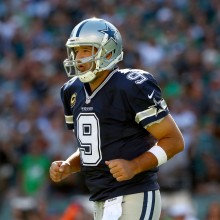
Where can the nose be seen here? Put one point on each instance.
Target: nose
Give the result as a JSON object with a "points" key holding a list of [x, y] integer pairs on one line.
{"points": [[79, 55]]}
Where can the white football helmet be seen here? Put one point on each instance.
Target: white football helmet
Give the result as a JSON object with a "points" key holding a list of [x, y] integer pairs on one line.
{"points": [[99, 34]]}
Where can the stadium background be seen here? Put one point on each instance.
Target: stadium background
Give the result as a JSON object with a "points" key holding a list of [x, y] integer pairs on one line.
{"points": [[176, 40]]}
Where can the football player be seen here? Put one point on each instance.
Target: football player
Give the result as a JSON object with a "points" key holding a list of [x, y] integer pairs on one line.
{"points": [[123, 126]]}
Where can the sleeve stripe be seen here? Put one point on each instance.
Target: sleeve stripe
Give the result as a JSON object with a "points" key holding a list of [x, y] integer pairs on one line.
{"points": [[69, 119], [150, 112], [155, 122]]}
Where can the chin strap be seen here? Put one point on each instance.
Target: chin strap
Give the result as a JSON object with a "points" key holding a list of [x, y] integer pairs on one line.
{"points": [[88, 77]]}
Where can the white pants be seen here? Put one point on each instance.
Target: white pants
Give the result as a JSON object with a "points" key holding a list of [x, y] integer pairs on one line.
{"points": [[140, 206]]}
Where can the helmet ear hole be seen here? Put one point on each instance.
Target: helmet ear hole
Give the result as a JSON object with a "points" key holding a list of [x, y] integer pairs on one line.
{"points": [[108, 56]]}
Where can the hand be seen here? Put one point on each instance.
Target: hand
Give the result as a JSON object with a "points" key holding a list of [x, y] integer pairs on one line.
{"points": [[59, 170], [121, 169]]}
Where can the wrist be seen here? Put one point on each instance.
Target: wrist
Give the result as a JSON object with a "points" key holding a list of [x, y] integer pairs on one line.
{"points": [[136, 166], [73, 167], [69, 164], [159, 153]]}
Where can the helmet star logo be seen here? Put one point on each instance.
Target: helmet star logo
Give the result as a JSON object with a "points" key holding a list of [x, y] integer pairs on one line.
{"points": [[111, 33]]}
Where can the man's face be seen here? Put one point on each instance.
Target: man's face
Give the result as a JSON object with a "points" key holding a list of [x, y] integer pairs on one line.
{"points": [[84, 52]]}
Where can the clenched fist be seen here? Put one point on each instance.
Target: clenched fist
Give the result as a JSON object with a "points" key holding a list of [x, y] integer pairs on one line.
{"points": [[122, 169], [59, 170]]}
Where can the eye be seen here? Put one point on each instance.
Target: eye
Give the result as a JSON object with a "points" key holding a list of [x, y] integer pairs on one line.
{"points": [[86, 50]]}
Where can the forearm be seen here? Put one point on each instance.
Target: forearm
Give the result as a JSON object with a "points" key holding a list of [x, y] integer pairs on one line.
{"points": [[148, 160], [74, 161], [144, 162]]}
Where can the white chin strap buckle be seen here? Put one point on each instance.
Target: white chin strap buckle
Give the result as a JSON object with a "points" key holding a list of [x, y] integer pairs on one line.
{"points": [[87, 77]]}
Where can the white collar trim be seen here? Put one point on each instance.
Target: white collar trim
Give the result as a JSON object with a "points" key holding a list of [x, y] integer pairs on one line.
{"points": [[88, 98]]}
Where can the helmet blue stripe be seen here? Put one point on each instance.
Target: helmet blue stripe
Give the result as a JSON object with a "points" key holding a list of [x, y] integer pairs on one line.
{"points": [[80, 27]]}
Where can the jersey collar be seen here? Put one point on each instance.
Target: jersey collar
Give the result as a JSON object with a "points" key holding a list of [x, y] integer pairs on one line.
{"points": [[87, 90]]}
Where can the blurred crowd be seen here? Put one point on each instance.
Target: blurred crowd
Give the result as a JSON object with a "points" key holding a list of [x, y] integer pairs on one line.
{"points": [[178, 41]]}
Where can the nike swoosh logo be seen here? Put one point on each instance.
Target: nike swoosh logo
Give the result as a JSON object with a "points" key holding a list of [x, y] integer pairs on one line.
{"points": [[151, 95]]}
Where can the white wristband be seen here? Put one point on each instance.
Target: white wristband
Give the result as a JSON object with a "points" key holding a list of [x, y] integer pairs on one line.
{"points": [[159, 153]]}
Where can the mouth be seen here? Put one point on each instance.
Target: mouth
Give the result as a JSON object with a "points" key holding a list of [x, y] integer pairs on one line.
{"points": [[81, 67]]}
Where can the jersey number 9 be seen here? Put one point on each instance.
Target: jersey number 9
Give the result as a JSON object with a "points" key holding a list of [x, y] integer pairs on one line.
{"points": [[88, 135]]}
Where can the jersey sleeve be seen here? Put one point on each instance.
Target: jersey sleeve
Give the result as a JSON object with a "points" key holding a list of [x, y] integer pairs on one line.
{"points": [[147, 102], [67, 109]]}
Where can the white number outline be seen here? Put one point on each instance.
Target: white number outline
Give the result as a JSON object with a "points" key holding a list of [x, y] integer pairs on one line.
{"points": [[136, 75], [90, 150]]}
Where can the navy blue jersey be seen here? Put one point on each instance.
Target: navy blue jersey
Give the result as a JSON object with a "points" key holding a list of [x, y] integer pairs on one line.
{"points": [[110, 123]]}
